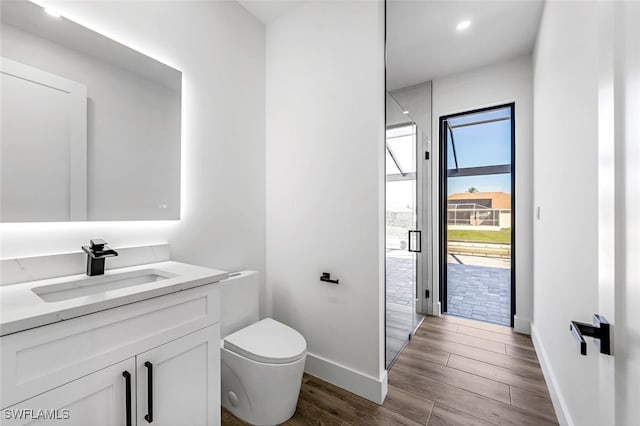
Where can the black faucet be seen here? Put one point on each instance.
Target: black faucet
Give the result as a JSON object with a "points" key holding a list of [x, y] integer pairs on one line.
{"points": [[96, 254]]}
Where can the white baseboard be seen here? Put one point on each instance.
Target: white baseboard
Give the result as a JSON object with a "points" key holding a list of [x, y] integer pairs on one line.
{"points": [[521, 325], [559, 404], [437, 309], [354, 381]]}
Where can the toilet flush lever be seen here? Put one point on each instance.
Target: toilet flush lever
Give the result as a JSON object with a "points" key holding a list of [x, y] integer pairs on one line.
{"points": [[326, 277]]}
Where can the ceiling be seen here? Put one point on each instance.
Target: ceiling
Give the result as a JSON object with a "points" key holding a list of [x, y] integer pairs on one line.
{"points": [[423, 43], [269, 10]]}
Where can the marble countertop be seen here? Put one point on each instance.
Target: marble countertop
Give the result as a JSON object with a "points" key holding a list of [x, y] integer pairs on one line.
{"points": [[22, 309]]}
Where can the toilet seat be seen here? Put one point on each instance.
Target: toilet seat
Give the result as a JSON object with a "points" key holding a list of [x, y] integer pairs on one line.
{"points": [[267, 341]]}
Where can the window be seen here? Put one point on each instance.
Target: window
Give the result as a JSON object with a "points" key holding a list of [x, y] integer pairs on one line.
{"points": [[401, 152]]}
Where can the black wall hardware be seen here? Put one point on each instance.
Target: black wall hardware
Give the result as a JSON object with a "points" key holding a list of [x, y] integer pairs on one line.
{"points": [[600, 331], [96, 253], [149, 416], [326, 277], [127, 392], [417, 241]]}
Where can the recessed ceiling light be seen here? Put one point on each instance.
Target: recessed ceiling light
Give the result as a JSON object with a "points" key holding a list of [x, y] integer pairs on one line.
{"points": [[52, 12], [463, 25], [405, 112]]}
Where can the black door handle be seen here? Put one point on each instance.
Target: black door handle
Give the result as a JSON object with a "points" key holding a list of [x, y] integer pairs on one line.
{"points": [[149, 416], [418, 240], [127, 392], [600, 331]]}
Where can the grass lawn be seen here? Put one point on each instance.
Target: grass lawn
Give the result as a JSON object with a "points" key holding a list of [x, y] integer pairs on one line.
{"points": [[502, 236]]}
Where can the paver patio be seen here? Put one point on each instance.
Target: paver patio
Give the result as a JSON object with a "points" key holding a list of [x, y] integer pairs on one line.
{"points": [[475, 289], [479, 292]]}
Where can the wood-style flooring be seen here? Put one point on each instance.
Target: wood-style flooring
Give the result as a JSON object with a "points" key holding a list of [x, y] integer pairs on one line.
{"points": [[453, 372]]}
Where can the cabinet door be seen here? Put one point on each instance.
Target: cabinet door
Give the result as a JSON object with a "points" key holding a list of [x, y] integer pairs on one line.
{"points": [[178, 383], [96, 399]]}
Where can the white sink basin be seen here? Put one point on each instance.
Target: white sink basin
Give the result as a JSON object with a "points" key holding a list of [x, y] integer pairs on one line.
{"points": [[31, 304], [99, 284]]}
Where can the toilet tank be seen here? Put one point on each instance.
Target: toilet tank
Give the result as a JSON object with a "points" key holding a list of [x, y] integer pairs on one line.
{"points": [[239, 301]]}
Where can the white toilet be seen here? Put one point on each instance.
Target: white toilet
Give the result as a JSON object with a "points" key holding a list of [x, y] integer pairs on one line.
{"points": [[261, 361]]}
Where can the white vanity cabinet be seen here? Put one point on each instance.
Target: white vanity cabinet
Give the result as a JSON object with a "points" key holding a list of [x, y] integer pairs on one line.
{"points": [[183, 381], [96, 399], [169, 346]]}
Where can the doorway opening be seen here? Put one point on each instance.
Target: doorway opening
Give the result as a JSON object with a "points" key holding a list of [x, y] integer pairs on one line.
{"points": [[477, 223]]}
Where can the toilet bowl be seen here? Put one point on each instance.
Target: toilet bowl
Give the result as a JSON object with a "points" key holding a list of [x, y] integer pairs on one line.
{"points": [[262, 362]]}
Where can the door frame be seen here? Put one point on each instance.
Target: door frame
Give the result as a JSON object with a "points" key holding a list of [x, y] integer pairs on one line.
{"points": [[76, 101], [442, 203], [424, 259]]}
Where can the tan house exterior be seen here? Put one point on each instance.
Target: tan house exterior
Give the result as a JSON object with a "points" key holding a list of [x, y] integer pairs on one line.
{"points": [[479, 210], [497, 200]]}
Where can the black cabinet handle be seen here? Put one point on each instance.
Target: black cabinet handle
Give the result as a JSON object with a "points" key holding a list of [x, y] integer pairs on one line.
{"points": [[149, 416], [418, 241], [599, 330], [127, 392]]}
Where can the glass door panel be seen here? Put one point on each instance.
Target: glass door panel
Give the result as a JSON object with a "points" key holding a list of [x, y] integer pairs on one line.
{"points": [[402, 239]]}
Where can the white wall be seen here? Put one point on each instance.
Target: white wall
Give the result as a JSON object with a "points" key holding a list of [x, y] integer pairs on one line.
{"points": [[219, 47], [566, 189], [497, 84], [414, 99], [587, 137], [325, 182], [628, 231]]}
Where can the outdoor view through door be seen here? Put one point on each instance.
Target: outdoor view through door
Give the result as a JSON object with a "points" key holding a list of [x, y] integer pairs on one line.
{"points": [[401, 237], [477, 205]]}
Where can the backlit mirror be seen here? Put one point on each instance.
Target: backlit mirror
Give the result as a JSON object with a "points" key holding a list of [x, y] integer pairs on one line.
{"points": [[90, 127]]}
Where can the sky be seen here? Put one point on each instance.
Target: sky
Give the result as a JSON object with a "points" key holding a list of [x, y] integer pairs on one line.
{"points": [[479, 145], [489, 183]]}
